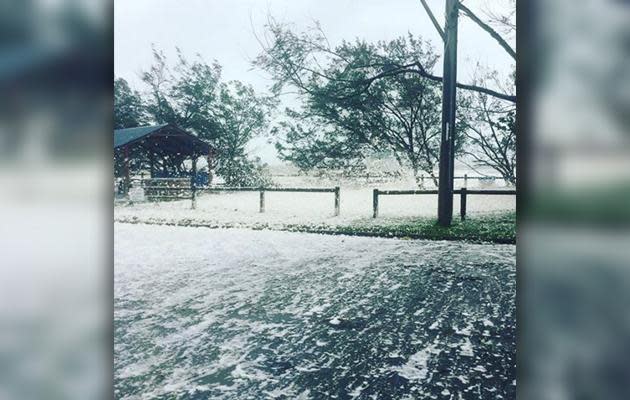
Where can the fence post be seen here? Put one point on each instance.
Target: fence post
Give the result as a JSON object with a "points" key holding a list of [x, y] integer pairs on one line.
{"points": [[422, 182], [375, 203], [262, 201], [337, 201], [466, 180], [193, 198], [462, 206]]}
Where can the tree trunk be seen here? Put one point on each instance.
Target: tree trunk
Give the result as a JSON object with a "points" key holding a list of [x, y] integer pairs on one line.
{"points": [[510, 180], [416, 170], [434, 178], [419, 180]]}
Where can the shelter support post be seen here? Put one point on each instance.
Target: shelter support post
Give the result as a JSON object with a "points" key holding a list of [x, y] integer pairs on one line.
{"points": [[151, 164], [193, 188], [210, 161], [127, 180]]}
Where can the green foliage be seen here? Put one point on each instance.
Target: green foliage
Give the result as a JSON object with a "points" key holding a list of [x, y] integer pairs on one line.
{"points": [[241, 115], [245, 172], [309, 145], [490, 129], [186, 95], [191, 96], [348, 114], [129, 109]]}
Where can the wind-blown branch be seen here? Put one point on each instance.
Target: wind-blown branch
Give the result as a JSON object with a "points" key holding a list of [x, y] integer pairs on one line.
{"points": [[290, 66], [488, 29], [422, 72], [432, 17]]}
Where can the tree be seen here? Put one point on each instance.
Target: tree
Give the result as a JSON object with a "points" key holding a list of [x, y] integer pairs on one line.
{"points": [[293, 58], [491, 129], [504, 22], [186, 95], [312, 144], [241, 116], [129, 110], [228, 115], [344, 121], [243, 171], [449, 37], [486, 27]]}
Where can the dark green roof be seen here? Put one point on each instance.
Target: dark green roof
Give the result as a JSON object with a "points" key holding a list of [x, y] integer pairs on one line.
{"points": [[168, 138], [127, 135]]}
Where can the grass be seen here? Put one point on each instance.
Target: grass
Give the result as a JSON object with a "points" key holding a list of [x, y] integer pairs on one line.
{"points": [[494, 228]]}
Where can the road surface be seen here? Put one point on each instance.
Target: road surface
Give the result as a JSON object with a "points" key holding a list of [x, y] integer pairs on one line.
{"points": [[238, 314]]}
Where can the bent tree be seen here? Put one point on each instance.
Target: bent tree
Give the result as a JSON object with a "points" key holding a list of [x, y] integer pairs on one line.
{"points": [[346, 115], [191, 95], [303, 60]]}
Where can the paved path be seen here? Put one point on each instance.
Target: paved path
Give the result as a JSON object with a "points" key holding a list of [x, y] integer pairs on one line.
{"points": [[238, 314]]}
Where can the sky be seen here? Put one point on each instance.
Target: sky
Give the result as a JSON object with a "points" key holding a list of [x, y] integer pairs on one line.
{"points": [[224, 30]]}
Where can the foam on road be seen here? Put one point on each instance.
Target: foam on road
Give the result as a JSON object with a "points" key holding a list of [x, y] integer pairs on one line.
{"points": [[238, 314]]}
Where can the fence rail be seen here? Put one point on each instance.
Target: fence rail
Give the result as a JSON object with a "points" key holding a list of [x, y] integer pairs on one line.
{"points": [[480, 177], [463, 192], [190, 192], [269, 189], [465, 178], [181, 189], [262, 191], [404, 192]]}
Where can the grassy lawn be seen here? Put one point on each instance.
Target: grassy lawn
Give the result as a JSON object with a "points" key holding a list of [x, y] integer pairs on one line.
{"points": [[492, 228], [495, 228]]}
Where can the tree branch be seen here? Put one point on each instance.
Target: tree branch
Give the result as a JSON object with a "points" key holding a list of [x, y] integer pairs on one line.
{"points": [[422, 72], [488, 29], [432, 17]]}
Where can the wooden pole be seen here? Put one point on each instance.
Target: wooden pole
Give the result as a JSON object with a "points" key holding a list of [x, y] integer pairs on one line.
{"points": [[193, 188], [210, 159], [262, 201], [462, 204], [447, 147], [151, 164], [127, 174], [375, 203], [465, 180], [337, 201]]}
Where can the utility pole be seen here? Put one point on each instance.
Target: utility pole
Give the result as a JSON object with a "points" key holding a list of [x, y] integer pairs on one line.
{"points": [[447, 147]]}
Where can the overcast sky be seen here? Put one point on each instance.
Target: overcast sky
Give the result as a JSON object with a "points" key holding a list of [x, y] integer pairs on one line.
{"points": [[224, 30]]}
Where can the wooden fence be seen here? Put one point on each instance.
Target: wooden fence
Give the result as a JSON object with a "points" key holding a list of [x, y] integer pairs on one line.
{"points": [[156, 189], [465, 178], [463, 192], [181, 191], [262, 191]]}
